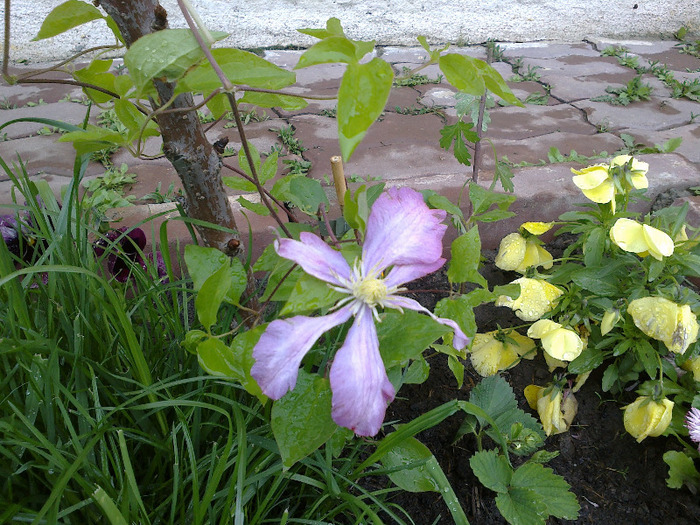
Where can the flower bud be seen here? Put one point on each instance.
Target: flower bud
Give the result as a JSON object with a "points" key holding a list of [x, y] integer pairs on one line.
{"points": [[641, 239], [556, 413], [665, 321], [646, 417]]}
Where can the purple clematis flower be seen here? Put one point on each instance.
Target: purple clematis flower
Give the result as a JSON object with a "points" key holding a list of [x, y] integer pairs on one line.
{"points": [[692, 423], [10, 231], [404, 241]]}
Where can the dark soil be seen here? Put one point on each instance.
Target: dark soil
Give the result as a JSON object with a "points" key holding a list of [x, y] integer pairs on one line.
{"points": [[617, 481]]}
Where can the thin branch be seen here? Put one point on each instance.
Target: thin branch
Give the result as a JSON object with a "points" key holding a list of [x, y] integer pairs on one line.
{"points": [[70, 83], [480, 124], [322, 211], [55, 67]]}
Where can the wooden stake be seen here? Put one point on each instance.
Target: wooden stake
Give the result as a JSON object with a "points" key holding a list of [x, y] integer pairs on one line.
{"points": [[339, 179]]}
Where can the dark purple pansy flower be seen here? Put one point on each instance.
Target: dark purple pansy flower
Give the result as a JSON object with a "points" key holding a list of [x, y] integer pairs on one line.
{"points": [[10, 231], [127, 250]]}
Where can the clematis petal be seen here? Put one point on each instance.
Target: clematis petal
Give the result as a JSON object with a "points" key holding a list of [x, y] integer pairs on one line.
{"points": [[410, 272], [360, 386], [459, 341], [315, 257], [284, 344], [402, 230]]}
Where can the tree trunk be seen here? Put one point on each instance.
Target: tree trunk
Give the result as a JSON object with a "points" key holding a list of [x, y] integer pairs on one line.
{"points": [[184, 142]]}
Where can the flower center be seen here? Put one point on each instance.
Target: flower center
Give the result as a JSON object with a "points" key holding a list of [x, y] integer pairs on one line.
{"points": [[371, 291]]}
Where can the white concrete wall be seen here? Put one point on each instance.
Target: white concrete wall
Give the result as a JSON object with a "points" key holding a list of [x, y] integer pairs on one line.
{"points": [[264, 23]]}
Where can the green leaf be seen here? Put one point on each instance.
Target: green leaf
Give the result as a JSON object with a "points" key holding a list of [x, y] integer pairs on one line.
{"points": [[165, 55], [589, 359], [417, 372], [461, 72], [309, 294], [492, 469], [670, 145], [411, 478], [66, 16], [245, 164], [594, 246], [459, 310], [329, 50], [405, 336], [466, 255], [255, 207], [681, 470], [482, 199], [97, 73], [457, 369], [554, 491], [270, 100], [134, 120], [494, 395], [93, 138], [301, 420], [459, 133], [648, 357], [521, 506], [357, 205], [269, 168], [215, 357], [601, 280], [211, 295], [242, 356], [238, 183], [307, 194], [241, 68], [202, 262], [333, 28], [362, 96], [441, 202]]}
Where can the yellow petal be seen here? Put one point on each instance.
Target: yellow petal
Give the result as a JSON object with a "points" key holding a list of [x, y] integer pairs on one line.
{"points": [[542, 327], [511, 252], [659, 243], [601, 194], [537, 297], [664, 320], [537, 228], [639, 181], [563, 344], [591, 177], [523, 345], [488, 355], [553, 363], [533, 393], [693, 365], [686, 331], [628, 235]]}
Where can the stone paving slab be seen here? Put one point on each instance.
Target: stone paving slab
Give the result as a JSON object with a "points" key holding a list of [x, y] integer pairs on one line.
{"points": [[402, 147]]}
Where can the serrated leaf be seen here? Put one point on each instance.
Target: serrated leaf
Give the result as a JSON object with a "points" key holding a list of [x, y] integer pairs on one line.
{"points": [[494, 396], [301, 421], [458, 133], [66, 16], [241, 68], [492, 469], [521, 506], [363, 93], [167, 54], [405, 336], [681, 470], [552, 488]]}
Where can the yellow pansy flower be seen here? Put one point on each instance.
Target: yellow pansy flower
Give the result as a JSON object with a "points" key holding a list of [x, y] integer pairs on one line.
{"points": [[556, 414], [596, 184], [664, 320], [520, 251], [646, 417], [559, 342], [537, 297], [693, 365], [641, 239], [637, 172], [489, 354]]}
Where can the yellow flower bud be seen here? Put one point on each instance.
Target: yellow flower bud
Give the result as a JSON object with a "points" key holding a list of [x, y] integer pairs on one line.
{"points": [[537, 297], [646, 417], [638, 171], [610, 318], [556, 414], [641, 239], [676, 326], [489, 355], [559, 342]]}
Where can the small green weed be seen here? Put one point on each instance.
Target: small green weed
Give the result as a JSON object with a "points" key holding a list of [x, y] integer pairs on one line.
{"points": [[293, 144], [157, 197], [410, 80], [246, 117], [421, 110], [359, 178], [530, 75], [330, 113], [205, 118], [495, 50], [297, 167], [538, 98], [634, 91]]}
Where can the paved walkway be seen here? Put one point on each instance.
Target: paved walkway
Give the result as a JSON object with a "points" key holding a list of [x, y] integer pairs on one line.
{"points": [[562, 83]]}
